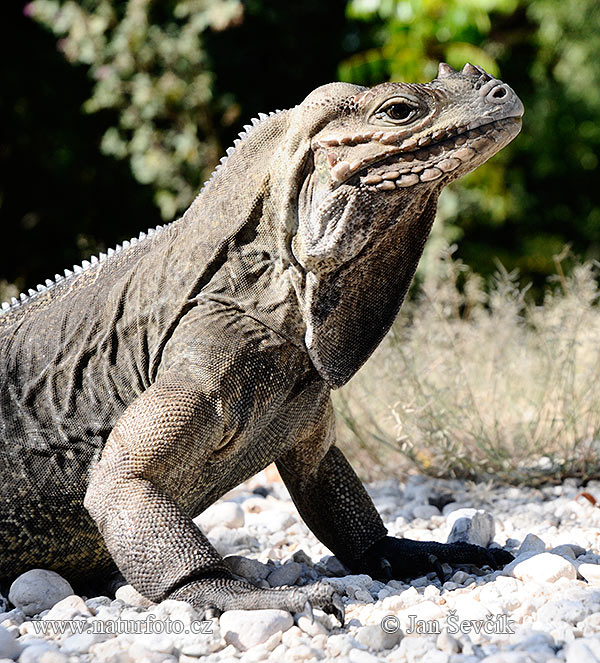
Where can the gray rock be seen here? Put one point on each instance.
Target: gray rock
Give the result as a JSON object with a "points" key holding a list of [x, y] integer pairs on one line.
{"points": [[96, 602], [352, 583], [425, 511], [334, 567], [302, 557], [248, 568], [287, 574], [245, 629], [471, 525], [532, 544], [38, 590], [221, 514], [9, 647], [565, 551], [375, 638]]}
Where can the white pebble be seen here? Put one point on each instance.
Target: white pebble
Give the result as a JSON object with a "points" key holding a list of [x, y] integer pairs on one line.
{"points": [[247, 628], [591, 572], [544, 567], [221, 514]]}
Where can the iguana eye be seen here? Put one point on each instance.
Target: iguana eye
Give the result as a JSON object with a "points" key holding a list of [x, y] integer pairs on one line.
{"points": [[399, 111]]}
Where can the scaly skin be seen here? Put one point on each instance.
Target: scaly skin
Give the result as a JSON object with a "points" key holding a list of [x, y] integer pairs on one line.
{"points": [[140, 389]]}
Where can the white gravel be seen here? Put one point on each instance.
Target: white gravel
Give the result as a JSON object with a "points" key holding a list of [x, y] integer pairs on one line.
{"points": [[544, 606]]}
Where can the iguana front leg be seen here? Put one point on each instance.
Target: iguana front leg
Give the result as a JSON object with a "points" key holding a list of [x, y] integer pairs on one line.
{"points": [[334, 504], [155, 450]]}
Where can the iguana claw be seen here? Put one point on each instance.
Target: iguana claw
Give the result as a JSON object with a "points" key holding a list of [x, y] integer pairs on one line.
{"points": [[386, 569], [336, 608], [210, 612], [437, 567], [309, 611]]}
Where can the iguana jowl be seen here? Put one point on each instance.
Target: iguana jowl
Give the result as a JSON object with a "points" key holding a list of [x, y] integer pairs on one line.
{"points": [[139, 389]]}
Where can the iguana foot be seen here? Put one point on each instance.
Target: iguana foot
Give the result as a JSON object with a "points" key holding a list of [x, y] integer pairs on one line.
{"points": [[216, 595], [391, 557]]}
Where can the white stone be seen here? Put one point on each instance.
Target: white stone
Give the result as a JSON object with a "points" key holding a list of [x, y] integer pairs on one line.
{"points": [[591, 572], [544, 567], [300, 652], [361, 656], [468, 608], [49, 656], [310, 626], [221, 514], [447, 643], [130, 596], [583, 650], [532, 544], [271, 520], [471, 525], [567, 610], [9, 647], [38, 590], [69, 608], [80, 643], [341, 643], [247, 628], [415, 649], [375, 638], [39, 652]]}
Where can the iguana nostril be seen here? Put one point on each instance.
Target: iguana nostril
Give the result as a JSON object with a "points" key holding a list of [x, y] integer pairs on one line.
{"points": [[498, 94]]}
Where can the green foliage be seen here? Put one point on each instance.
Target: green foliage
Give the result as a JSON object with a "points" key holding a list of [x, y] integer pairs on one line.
{"points": [[415, 35], [542, 190], [149, 63]]}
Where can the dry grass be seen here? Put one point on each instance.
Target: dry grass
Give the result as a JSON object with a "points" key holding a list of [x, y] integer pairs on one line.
{"points": [[478, 383]]}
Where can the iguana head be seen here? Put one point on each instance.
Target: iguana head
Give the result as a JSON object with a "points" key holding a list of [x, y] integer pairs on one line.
{"points": [[370, 164], [392, 146]]}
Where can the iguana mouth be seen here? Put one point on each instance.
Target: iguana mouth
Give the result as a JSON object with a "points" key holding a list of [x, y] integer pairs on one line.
{"points": [[398, 169]]}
